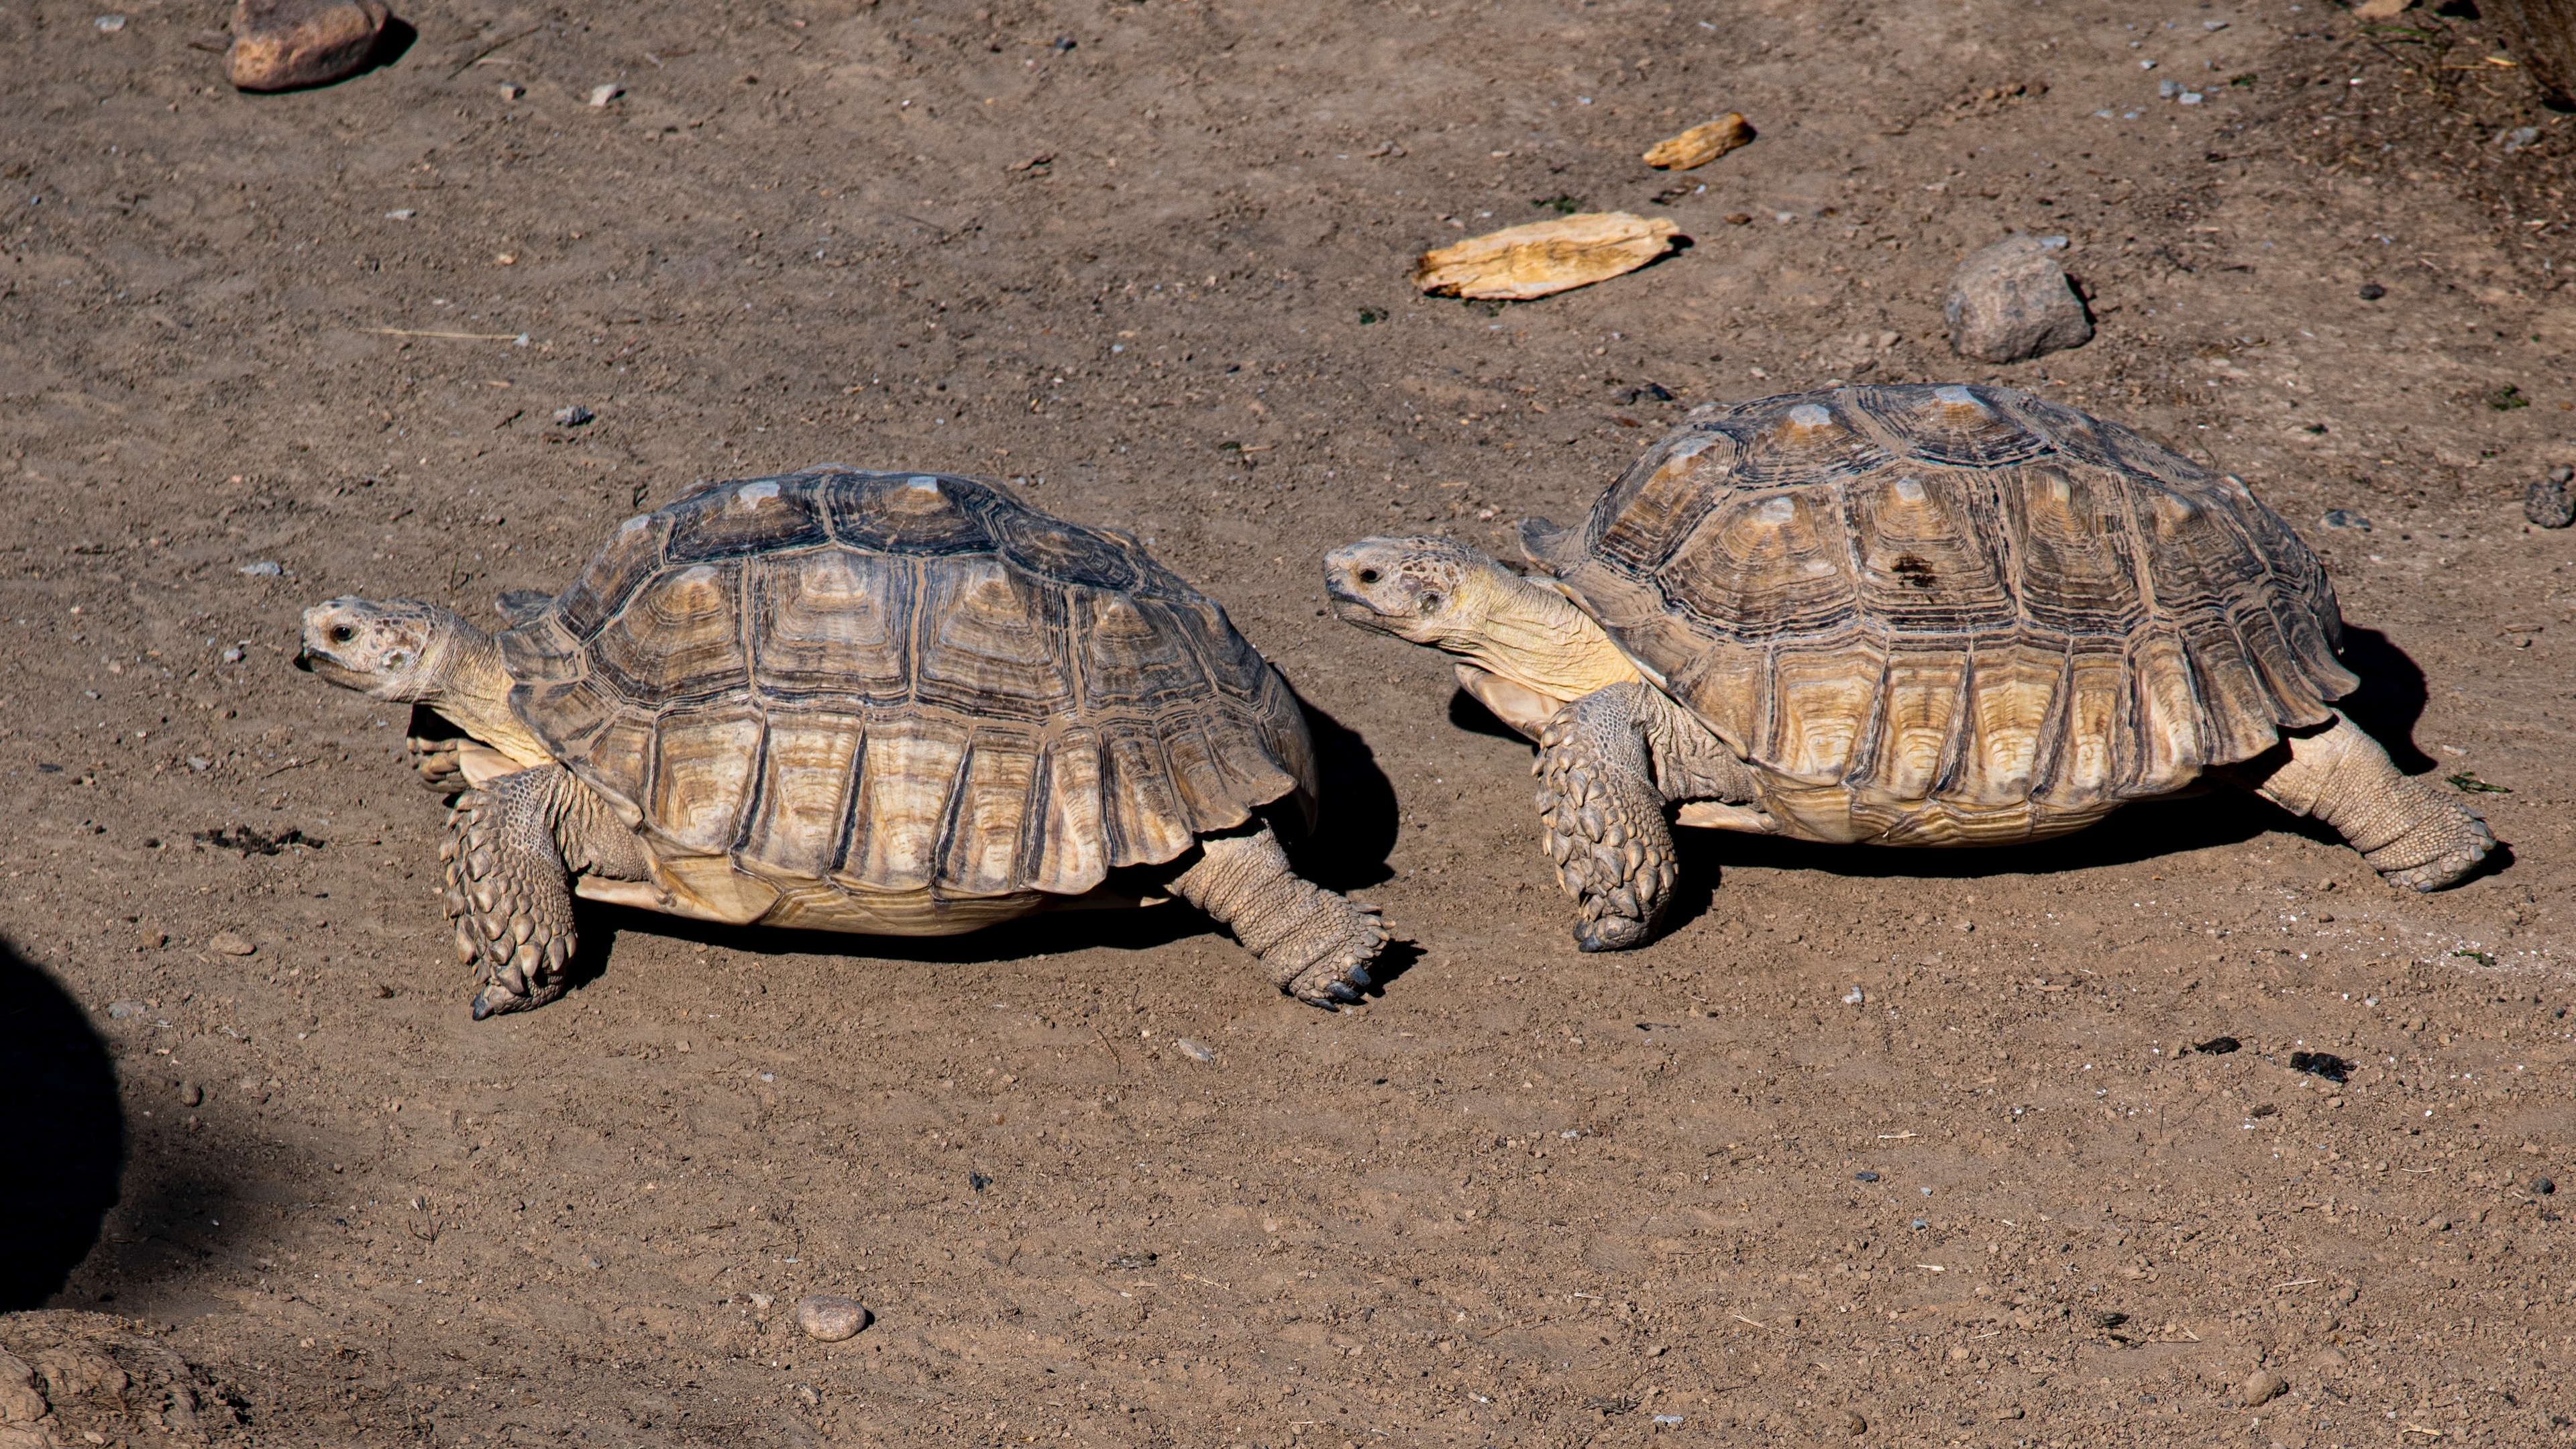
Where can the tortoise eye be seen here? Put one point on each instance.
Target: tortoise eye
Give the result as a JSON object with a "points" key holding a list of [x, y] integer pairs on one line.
{"points": [[1368, 576], [342, 633]]}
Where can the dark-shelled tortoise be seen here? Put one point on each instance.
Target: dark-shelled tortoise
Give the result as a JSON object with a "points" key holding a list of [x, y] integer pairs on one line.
{"points": [[892, 703], [1931, 616]]}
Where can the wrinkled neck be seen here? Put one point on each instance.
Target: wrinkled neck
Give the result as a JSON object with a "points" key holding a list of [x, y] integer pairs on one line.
{"points": [[1535, 637], [474, 692]]}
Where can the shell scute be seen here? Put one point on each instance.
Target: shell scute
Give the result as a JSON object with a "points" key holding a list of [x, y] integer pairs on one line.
{"points": [[678, 640], [759, 516], [835, 623]]}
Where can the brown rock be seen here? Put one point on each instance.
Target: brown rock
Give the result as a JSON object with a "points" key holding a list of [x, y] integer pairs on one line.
{"points": [[227, 943], [2010, 302], [279, 45], [1544, 257], [21, 1402], [829, 1319], [2262, 1387], [1700, 145]]}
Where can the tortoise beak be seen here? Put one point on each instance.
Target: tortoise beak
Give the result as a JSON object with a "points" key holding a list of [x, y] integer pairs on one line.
{"points": [[304, 660]]}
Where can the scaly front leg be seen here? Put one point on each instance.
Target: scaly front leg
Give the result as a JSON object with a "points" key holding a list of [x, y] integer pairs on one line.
{"points": [[1604, 815], [508, 889]]}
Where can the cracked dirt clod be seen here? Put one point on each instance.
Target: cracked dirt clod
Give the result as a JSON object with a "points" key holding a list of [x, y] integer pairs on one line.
{"points": [[2548, 501], [2011, 302], [281, 45]]}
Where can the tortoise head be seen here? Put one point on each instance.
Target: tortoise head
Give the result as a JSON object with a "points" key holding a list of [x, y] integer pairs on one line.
{"points": [[1428, 590], [393, 649]]}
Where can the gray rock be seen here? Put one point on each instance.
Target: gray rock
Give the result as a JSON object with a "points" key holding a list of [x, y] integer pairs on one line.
{"points": [[2548, 502], [2011, 302]]}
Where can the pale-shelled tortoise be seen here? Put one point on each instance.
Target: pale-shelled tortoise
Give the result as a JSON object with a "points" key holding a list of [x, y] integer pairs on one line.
{"points": [[890, 703], [1930, 616]]}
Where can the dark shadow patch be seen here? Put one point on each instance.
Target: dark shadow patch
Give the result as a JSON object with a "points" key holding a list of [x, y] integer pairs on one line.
{"points": [[1046, 933], [2136, 833], [392, 44], [1356, 828], [63, 1139], [2391, 697], [1468, 713]]}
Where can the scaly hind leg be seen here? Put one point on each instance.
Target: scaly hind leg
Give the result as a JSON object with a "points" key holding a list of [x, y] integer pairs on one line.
{"points": [[2412, 834], [1315, 945], [1604, 815], [509, 890]]}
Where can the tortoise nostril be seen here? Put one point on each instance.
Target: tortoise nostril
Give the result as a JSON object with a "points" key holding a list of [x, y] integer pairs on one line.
{"points": [[1368, 576]]}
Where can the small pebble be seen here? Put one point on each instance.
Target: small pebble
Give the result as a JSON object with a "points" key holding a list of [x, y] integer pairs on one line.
{"points": [[264, 569], [2346, 518], [2549, 501], [2262, 1387], [152, 938], [806, 1395], [590, 1262], [227, 943], [512, 90], [2217, 1046], [1854, 1424], [2543, 1186], [235, 655], [1193, 1050], [2106, 1318], [110, 23], [120, 1010], [190, 1094], [600, 96], [1864, 1177], [2265, 1109], [574, 416], [827, 1318], [1919, 1223], [2011, 301]]}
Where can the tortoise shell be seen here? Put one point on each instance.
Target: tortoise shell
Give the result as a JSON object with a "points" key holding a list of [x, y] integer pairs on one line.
{"points": [[891, 682], [1955, 615]]}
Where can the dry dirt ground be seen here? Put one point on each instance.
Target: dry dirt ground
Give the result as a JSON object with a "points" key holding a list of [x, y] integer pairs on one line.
{"points": [[1152, 259]]}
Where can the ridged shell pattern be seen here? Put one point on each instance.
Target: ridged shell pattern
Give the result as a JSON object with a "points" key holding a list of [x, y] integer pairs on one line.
{"points": [[896, 682], [1956, 614]]}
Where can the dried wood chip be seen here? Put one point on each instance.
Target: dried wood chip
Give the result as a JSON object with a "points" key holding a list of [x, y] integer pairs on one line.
{"points": [[1700, 145], [1544, 257]]}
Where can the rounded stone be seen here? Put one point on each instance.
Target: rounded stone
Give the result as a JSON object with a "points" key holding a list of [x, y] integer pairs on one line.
{"points": [[2262, 1387], [828, 1318]]}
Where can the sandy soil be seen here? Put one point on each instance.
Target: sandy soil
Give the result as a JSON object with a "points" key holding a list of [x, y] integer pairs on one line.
{"points": [[1152, 259]]}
